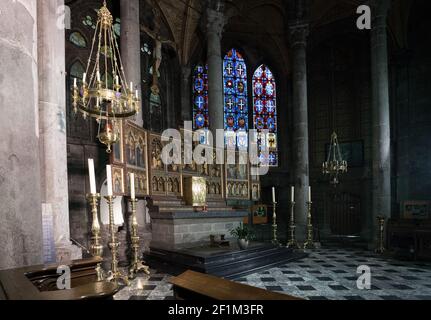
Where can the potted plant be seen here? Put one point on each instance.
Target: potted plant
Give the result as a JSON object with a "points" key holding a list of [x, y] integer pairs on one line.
{"points": [[243, 234]]}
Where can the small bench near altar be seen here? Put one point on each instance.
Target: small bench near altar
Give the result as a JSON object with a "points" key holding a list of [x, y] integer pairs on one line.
{"points": [[198, 286]]}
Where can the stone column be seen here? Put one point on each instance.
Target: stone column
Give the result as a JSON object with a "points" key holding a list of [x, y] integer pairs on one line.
{"points": [[215, 24], [52, 122], [131, 47], [381, 203], [301, 175], [186, 101], [20, 196]]}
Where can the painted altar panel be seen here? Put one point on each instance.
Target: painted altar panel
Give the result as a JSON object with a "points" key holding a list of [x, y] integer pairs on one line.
{"points": [[237, 179]]}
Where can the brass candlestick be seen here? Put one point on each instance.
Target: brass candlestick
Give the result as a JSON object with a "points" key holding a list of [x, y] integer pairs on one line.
{"points": [[114, 274], [137, 264], [309, 243], [274, 225], [381, 247], [96, 247], [292, 243]]}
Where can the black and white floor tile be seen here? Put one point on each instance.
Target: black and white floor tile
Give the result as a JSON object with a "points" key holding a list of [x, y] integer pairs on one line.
{"points": [[326, 274]]}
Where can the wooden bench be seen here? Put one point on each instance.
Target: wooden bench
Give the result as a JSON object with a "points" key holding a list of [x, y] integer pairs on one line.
{"points": [[39, 283], [199, 286]]}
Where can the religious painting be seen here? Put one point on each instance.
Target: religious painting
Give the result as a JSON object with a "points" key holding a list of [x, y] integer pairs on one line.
{"points": [[135, 146], [255, 192], [419, 210], [259, 214], [117, 154], [141, 187], [118, 181]]}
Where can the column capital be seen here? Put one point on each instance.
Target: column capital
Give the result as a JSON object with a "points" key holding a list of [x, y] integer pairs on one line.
{"points": [[215, 22], [298, 34]]}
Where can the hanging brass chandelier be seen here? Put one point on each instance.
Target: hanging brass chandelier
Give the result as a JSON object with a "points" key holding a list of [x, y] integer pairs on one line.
{"points": [[104, 93], [334, 164]]}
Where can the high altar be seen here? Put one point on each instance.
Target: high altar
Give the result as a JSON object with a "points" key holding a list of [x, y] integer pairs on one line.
{"points": [[177, 222]]}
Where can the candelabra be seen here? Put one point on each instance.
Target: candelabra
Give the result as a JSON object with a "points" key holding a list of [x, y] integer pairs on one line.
{"points": [[292, 238], [274, 224], [98, 97], [334, 165], [96, 247], [137, 264], [309, 243], [114, 274], [381, 246]]}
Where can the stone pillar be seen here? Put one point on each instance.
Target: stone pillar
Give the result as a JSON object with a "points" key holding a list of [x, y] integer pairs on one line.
{"points": [[52, 122], [131, 47], [215, 23], [20, 196], [301, 174], [381, 203], [186, 101]]}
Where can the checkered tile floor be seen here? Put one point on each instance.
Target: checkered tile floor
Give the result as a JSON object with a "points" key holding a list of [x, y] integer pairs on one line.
{"points": [[326, 274]]}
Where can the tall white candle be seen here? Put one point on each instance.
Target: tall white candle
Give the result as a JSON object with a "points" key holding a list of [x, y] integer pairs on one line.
{"points": [[132, 186], [309, 194], [137, 94], [273, 194], [98, 76], [131, 86], [84, 77], [117, 80], [292, 194], [92, 176], [74, 83], [109, 178]]}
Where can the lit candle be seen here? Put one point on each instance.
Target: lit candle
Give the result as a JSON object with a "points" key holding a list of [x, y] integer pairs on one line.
{"points": [[109, 178], [309, 194], [98, 76], [137, 95], [132, 186], [131, 86], [273, 194], [292, 194], [84, 77], [74, 83], [92, 176], [117, 81]]}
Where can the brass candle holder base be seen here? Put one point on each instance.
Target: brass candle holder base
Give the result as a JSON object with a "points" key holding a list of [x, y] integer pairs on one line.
{"points": [[381, 246], [96, 247], [309, 243], [274, 226], [137, 265], [292, 243], [114, 274]]}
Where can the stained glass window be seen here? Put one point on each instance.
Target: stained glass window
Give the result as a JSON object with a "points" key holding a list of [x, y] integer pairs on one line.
{"points": [[235, 99], [200, 97], [265, 114], [78, 39]]}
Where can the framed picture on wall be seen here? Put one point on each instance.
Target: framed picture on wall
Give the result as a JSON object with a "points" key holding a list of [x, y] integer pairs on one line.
{"points": [[415, 210]]}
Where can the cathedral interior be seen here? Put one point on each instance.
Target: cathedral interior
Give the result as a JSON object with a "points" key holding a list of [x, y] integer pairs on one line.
{"points": [[103, 103]]}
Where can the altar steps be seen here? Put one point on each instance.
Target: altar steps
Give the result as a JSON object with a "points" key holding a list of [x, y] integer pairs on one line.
{"points": [[230, 263]]}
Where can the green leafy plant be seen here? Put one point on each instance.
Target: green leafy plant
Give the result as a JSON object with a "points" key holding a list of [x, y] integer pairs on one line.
{"points": [[243, 232]]}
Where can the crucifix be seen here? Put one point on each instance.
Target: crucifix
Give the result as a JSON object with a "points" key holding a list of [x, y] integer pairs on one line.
{"points": [[229, 69], [157, 51]]}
